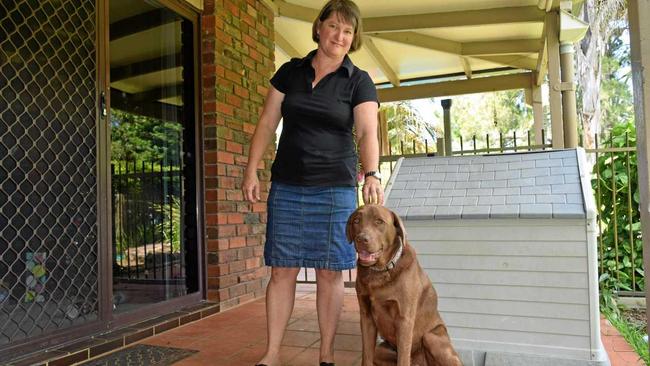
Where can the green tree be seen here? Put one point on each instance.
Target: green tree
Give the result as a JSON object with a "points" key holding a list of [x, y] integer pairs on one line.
{"points": [[504, 112], [139, 138], [407, 126]]}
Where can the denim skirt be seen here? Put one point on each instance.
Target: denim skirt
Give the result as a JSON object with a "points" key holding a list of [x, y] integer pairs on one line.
{"points": [[306, 227]]}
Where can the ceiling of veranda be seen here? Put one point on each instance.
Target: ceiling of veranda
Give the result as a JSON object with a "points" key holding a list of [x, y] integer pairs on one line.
{"points": [[420, 41]]}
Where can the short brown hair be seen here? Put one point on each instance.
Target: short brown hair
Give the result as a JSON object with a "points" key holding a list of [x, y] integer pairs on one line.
{"points": [[347, 10]]}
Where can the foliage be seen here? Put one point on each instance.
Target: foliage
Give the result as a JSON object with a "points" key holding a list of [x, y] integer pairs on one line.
{"points": [[170, 225], [406, 126], [139, 138], [490, 114], [616, 93], [622, 255]]}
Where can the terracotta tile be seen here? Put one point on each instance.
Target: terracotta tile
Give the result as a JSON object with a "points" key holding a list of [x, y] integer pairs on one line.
{"points": [[344, 342], [310, 325], [299, 339], [620, 345], [309, 357], [350, 328]]}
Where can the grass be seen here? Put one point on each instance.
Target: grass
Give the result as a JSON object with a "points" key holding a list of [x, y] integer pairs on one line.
{"points": [[631, 323]]}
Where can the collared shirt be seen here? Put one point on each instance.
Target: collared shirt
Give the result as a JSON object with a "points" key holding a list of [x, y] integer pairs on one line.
{"points": [[316, 146]]}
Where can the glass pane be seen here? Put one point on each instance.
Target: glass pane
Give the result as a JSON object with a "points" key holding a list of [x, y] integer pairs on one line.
{"points": [[48, 182], [150, 56]]}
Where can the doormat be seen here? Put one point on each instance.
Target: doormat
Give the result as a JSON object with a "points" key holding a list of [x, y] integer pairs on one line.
{"points": [[142, 354]]}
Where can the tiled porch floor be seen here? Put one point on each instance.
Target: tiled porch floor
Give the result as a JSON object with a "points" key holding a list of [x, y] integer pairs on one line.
{"points": [[237, 336]]}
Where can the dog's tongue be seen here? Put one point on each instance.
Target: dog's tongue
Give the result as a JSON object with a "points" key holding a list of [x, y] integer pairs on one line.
{"points": [[366, 256]]}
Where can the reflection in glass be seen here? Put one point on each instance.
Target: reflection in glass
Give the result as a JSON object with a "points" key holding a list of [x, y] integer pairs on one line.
{"points": [[149, 56]]}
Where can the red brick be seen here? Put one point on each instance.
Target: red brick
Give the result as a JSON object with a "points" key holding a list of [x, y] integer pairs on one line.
{"points": [[237, 242], [225, 157], [225, 109], [252, 263], [234, 147], [235, 218]]}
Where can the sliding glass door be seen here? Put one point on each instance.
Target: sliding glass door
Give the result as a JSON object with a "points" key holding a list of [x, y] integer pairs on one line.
{"points": [[152, 121]]}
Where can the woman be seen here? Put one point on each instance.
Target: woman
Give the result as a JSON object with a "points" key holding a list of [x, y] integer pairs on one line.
{"points": [[320, 97]]}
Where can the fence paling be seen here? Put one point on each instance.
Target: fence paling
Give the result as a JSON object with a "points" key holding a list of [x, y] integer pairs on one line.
{"points": [[136, 211], [629, 209]]}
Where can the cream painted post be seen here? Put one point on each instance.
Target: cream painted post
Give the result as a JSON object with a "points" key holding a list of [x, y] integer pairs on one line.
{"points": [[554, 83], [382, 131], [538, 113], [446, 107], [640, 57], [569, 114]]}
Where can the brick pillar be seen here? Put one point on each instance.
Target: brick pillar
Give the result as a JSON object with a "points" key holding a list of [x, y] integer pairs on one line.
{"points": [[237, 62]]}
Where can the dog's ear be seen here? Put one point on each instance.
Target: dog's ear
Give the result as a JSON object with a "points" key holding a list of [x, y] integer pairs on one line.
{"points": [[348, 228], [399, 227]]}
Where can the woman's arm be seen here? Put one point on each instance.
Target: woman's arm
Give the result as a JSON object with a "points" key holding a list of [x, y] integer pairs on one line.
{"points": [[264, 132], [365, 122]]}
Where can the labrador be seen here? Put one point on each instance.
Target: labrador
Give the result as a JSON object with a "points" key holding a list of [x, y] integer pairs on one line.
{"points": [[396, 298]]}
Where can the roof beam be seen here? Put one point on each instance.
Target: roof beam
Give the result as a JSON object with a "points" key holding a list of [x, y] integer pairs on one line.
{"points": [[456, 48], [517, 14], [141, 22], [145, 67], [466, 66], [381, 61], [423, 41], [456, 87], [518, 61], [521, 14], [507, 47], [542, 59], [286, 46], [298, 12], [157, 94]]}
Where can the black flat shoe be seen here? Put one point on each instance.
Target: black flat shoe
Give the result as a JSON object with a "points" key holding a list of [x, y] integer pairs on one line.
{"points": [[327, 364]]}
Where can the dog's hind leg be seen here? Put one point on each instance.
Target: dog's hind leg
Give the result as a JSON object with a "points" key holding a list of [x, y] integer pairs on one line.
{"points": [[438, 348]]}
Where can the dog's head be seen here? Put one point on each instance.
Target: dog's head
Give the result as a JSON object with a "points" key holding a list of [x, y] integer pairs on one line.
{"points": [[376, 232]]}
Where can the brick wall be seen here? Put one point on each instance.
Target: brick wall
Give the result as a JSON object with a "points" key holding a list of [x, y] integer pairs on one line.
{"points": [[237, 46]]}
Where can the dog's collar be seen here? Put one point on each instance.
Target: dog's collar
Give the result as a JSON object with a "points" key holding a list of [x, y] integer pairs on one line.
{"points": [[393, 262]]}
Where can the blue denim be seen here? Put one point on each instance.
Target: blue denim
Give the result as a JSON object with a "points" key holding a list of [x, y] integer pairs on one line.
{"points": [[306, 227]]}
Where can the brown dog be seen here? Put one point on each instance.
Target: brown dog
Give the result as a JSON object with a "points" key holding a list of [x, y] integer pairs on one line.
{"points": [[396, 297]]}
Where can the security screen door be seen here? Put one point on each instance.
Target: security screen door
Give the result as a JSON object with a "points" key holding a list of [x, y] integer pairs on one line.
{"points": [[49, 252], [152, 119]]}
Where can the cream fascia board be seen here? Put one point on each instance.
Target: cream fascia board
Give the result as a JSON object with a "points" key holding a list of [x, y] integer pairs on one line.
{"points": [[456, 87], [381, 61], [286, 46]]}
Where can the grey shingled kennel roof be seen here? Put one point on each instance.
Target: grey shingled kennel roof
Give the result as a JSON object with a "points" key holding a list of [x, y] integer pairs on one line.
{"points": [[545, 184]]}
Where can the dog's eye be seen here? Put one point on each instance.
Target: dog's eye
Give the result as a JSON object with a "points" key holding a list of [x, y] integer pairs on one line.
{"points": [[379, 222], [355, 220]]}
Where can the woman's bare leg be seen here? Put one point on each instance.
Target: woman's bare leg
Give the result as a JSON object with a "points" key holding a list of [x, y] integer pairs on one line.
{"points": [[329, 302], [280, 296]]}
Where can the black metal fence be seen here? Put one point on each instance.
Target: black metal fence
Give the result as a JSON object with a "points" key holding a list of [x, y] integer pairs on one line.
{"points": [[146, 208]]}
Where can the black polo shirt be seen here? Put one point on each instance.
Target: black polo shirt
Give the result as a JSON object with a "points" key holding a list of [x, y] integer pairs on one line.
{"points": [[316, 146]]}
